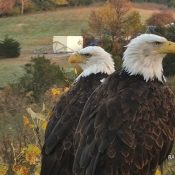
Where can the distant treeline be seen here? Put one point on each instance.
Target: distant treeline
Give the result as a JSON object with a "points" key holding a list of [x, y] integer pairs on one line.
{"points": [[64, 2], [15, 7], [169, 3]]}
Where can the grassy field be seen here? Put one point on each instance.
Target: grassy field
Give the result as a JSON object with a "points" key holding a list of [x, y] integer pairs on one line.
{"points": [[10, 73], [35, 31], [38, 29]]}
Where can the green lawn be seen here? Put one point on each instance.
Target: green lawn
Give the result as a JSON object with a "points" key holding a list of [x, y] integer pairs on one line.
{"points": [[10, 73]]}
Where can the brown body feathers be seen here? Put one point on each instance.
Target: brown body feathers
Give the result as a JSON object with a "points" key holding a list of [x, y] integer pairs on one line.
{"points": [[127, 127], [58, 150]]}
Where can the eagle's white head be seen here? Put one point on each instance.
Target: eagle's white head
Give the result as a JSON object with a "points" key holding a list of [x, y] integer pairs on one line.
{"points": [[93, 60], [144, 55]]}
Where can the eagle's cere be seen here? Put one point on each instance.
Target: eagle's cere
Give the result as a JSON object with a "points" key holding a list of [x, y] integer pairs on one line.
{"points": [[58, 150], [127, 125]]}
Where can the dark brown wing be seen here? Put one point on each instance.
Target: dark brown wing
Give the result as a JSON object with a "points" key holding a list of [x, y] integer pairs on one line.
{"points": [[58, 152], [126, 128]]}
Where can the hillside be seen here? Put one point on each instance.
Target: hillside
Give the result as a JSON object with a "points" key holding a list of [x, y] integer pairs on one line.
{"points": [[36, 31]]}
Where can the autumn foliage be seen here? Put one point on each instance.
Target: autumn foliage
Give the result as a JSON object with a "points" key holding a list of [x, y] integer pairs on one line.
{"points": [[160, 19], [23, 120], [115, 21], [14, 7], [20, 153], [6, 6]]}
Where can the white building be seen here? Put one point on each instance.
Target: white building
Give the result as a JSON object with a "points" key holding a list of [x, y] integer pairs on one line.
{"points": [[67, 43]]}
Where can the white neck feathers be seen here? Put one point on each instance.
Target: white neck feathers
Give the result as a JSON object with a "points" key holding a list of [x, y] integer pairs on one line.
{"points": [[150, 68], [97, 64], [137, 61]]}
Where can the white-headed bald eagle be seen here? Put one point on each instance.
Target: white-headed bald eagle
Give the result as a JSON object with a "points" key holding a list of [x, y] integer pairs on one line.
{"points": [[58, 151], [128, 124]]}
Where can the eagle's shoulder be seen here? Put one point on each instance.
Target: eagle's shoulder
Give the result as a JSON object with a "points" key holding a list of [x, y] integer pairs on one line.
{"points": [[122, 113]]}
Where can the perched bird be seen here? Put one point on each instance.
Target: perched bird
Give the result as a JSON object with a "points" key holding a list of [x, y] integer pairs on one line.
{"points": [[127, 125], [58, 150]]}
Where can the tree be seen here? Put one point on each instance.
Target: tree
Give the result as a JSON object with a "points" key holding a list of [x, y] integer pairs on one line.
{"points": [[9, 48], [115, 22], [133, 24], [23, 5], [6, 6], [160, 19]]}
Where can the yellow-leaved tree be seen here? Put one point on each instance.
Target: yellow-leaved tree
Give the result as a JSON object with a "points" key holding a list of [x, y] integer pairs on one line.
{"points": [[117, 21]]}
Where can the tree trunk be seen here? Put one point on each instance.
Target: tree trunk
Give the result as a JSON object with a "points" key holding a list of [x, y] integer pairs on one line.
{"points": [[22, 7]]}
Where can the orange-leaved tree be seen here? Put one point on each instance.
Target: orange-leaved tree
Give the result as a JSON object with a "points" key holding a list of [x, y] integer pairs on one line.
{"points": [[6, 6]]}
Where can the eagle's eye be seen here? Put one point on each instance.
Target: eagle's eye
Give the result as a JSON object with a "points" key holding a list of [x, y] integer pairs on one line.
{"points": [[87, 55], [157, 43]]}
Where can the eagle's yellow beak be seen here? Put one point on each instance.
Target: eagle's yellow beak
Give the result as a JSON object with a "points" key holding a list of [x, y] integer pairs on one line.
{"points": [[76, 58], [168, 47], [78, 69]]}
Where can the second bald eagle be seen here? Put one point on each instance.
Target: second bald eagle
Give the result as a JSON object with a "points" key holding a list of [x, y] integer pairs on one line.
{"points": [[58, 150]]}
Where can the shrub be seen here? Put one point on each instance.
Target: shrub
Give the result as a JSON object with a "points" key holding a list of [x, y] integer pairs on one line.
{"points": [[40, 75], [159, 19], [9, 48]]}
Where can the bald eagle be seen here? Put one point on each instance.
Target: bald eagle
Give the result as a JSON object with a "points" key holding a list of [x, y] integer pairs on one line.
{"points": [[58, 152], [127, 126]]}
